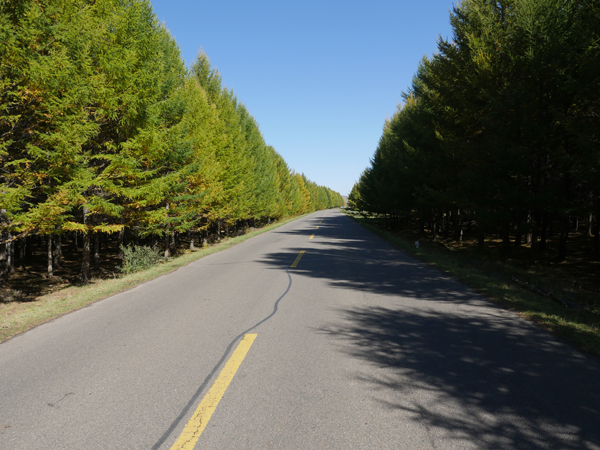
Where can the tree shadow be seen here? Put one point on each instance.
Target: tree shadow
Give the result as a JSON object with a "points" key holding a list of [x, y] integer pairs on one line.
{"points": [[471, 373], [479, 378], [350, 268]]}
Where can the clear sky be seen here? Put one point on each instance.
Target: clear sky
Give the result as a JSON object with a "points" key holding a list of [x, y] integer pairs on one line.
{"points": [[319, 77]]}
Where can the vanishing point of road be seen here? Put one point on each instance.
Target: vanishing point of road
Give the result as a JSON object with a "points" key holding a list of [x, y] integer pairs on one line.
{"points": [[316, 335]]}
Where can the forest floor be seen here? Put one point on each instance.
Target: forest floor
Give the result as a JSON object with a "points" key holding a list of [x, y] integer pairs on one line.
{"points": [[31, 297], [575, 281]]}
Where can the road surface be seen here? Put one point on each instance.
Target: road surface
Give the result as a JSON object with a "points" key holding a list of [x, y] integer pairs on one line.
{"points": [[357, 346]]}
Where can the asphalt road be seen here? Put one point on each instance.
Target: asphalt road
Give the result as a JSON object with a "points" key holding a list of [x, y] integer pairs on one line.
{"points": [[357, 347]]}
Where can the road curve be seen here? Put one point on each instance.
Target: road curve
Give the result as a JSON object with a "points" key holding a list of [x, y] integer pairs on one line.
{"points": [[357, 346]]}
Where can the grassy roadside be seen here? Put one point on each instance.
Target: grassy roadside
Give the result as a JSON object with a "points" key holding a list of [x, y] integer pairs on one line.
{"points": [[17, 317], [493, 279]]}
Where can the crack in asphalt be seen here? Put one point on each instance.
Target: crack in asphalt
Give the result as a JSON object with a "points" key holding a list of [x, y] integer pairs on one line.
{"points": [[196, 395], [55, 405]]}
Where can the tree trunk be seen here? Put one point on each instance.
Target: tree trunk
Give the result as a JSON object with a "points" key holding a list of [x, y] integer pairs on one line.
{"points": [[458, 232], [597, 235], [564, 234], [120, 243], [533, 253], [4, 269], [167, 253], [16, 253], [50, 258], [191, 234], [542, 245], [22, 251], [85, 257], [97, 251], [589, 225], [518, 237], [28, 245], [57, 252], [218, 230], [205, 240], [173, 242], [506, 240], [446, 220], [10, 253]]}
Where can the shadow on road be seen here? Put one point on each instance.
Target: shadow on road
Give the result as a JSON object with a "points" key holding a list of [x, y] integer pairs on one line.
{"points": [[357, 259], [451, 361], [485, 380]]}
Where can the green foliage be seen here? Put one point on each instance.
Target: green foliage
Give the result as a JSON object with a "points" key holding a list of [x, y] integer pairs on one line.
{"points": [[102, 128], [139, 257], [500, 124]]}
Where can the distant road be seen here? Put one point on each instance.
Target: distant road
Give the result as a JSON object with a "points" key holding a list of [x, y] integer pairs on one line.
{"points": [[357, 346]]}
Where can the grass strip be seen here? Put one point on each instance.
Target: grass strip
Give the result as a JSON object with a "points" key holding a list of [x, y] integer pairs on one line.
{"points": [[17, 317], [493, 279]]}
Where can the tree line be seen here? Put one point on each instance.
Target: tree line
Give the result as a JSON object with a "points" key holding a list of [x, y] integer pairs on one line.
{"points": [[105, 133], [500, 129]]}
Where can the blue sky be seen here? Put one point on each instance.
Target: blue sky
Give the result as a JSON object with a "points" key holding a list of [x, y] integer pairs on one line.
{"points": [[319, 77]]}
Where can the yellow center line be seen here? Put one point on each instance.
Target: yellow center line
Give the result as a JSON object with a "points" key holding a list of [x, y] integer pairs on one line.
{"points": [[312, 236], [297, 260], [194, 428]]}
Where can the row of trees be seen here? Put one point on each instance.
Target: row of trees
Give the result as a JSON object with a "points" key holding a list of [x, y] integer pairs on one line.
{"points": [[500, 128], [103, 130]]}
